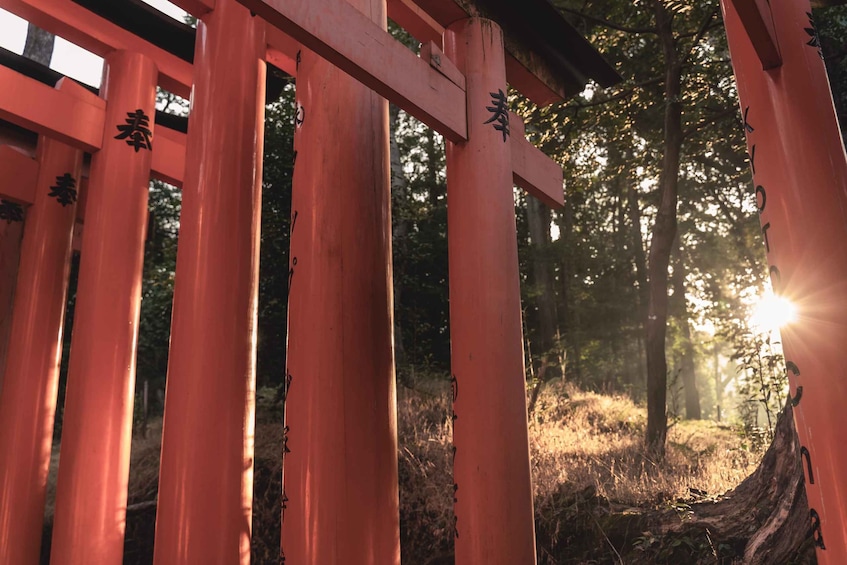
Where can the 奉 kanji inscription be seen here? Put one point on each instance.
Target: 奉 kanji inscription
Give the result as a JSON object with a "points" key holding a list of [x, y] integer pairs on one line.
{"points": [[136, 131], [64, 190]]}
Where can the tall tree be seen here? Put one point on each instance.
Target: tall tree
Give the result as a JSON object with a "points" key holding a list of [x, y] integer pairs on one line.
{"points": [[663, 233]]}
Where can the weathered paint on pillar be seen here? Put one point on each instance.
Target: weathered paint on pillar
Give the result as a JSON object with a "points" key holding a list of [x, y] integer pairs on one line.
{"points": [[11, 233], [492, 490], [800, 179], [28, 400], [340, 462], [206, 479], [96, 432]]}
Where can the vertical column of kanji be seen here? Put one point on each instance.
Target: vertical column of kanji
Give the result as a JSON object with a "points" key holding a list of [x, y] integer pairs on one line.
{"points": [[800, 177], [206, 478], [96, 433], [11, 232], [492, 490], [28, 401], [340, 465]]}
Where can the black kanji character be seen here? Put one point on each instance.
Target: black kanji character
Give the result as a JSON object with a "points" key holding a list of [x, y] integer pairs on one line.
{"points": [[11, 212], [812, 30], [285, 448], [747, 127], [64, 190], [500, 113], [136, 131], [299, 116]]}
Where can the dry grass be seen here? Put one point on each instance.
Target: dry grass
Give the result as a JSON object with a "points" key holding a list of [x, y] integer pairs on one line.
{"points": [[580, 442], [583, 446], [583, 439]]}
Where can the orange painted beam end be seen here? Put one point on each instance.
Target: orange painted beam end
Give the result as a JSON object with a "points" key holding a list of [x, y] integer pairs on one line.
{"points": [[756, 17], [198, 8], [169, 157], [51, 112], [18, 174], [282, 50], [534, 171], [423, 27], [432, 54], [73, 88]]}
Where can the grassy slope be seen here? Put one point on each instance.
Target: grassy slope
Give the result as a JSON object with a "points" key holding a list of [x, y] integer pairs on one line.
{"points": [[587, 461]]}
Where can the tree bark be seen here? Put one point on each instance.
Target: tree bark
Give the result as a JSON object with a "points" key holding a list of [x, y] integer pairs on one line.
{"points": [[39, 45], [664, 231], [767, 515], [538, 217], [400, 230], [569, 316], [688, 372]]}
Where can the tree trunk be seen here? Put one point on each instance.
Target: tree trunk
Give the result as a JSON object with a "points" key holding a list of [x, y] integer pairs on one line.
{"points": [[687, 370], [39, 45], [664, 231], [538, 217], [400, 230], [569, 316], [767, 515]]}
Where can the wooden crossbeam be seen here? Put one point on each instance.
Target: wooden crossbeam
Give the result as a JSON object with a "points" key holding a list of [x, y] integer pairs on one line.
{"points": [[42, 109], [18, 172], [168, 156], [196, 8], [757, 20], [282, 50], [369, 54], [73, 115], [100, 36], [532, 170], [411, 17]]}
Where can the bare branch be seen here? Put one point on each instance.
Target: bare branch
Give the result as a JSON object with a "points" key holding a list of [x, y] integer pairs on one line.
{"points": [[704, 27], [710, 120], [607, 23], [619, 96]]}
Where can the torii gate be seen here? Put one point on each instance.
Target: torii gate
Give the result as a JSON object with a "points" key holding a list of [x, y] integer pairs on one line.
{"points": [[340, 465], [800, 176], [341, 476]]}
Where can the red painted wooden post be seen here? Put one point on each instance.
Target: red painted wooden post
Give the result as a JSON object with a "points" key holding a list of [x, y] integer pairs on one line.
{"points": [[93, 473], [492, 491], [340, 475], [28, 399], [206, 478], [800, 178], [10, 253]]}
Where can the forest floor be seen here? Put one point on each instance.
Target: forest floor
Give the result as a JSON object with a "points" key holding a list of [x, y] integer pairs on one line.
{"points": [[597, 493]]}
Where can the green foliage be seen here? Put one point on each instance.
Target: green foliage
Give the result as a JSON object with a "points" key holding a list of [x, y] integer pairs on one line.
{"points": [[276, 224], [762, 384]]}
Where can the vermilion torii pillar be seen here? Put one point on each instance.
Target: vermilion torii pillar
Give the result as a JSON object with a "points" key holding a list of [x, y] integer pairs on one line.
{"points": [[28, 398], [492, 490], [11, 232], [94, 466], [340, 462], [800, 178], [206, 478]]}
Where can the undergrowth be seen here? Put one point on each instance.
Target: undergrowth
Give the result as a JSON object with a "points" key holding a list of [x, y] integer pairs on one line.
{"points": [[585, 448]]}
